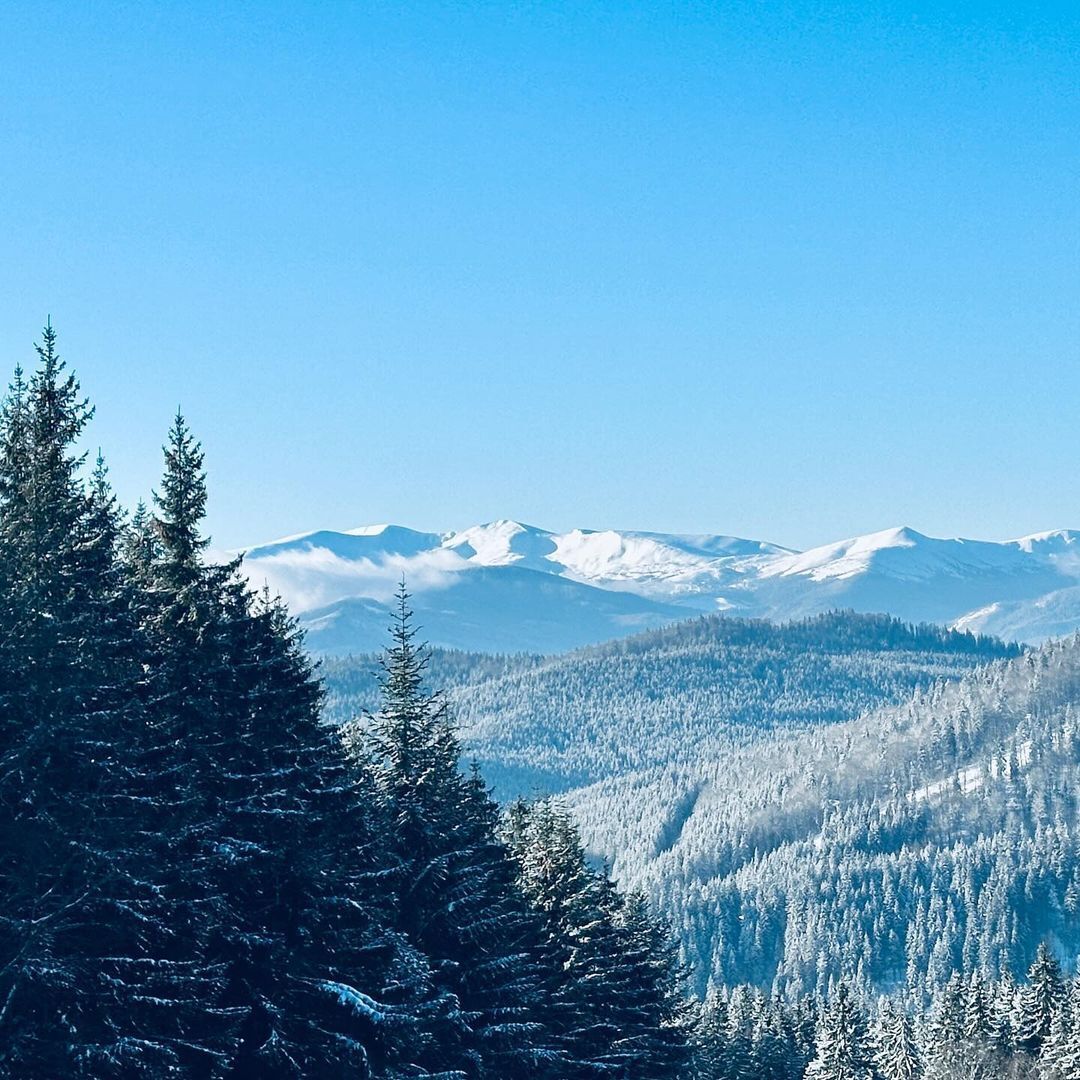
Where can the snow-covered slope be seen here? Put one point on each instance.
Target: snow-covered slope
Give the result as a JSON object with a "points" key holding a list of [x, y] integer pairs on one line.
{"points": [[916, 577], [492, 586]]}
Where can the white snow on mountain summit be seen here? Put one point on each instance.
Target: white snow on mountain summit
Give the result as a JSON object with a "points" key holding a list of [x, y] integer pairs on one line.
{"points": [[1027, 589]]}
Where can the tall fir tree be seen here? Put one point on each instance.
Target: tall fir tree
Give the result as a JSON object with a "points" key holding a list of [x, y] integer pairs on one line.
{"points": [[1039, 1000], [69, 653], [1059, 1057], [268, 832], [896, 1054], [182, 503], [842, 1051], [615, 1005], [457, 897]]}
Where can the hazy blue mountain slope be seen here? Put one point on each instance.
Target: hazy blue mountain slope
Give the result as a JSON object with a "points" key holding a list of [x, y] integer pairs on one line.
{"points": [[504, 610], [1051, 615]]}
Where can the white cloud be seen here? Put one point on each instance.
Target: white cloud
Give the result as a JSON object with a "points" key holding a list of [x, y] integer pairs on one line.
{"points": [[308, 578]]}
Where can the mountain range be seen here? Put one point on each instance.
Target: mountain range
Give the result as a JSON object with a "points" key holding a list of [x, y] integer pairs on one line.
{"points": [[509, 587]]}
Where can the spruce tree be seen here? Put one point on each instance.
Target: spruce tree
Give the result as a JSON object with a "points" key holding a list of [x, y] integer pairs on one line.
{"points": [[182, 503], [193, 879], [842, 1051], [1039, 1000], [268, 835], [457, 899], [895, 1052], [1059, 1058], [1004, 1014], [977, 1015], [709, 1043], [69, 653], [614, 1004], [139, 544], [656, 1022]]}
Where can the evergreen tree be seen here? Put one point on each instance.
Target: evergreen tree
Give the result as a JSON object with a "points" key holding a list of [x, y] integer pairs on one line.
{"points": [[842, 1051], [268, 838], [190, 871], [67, 652], [615, 1004], [1059, 1058], [457, 897], [1039, 1000], [945, 1040], [709, 1040], [1003, 1014], [739, 1062], [977, 1018], [139, 543], [895, 1053], [656, 1023], [776, 1054], [182, 504]]}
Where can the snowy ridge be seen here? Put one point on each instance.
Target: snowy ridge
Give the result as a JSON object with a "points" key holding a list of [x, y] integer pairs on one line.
{"points": [[1025, 589]]}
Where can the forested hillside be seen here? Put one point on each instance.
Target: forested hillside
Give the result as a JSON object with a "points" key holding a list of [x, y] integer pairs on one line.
{"points": [[685, 693], [895, 849], [731, 780]]}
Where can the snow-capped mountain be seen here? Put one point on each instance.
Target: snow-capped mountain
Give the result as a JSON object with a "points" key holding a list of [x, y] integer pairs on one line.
{"points": [[505, 586]]}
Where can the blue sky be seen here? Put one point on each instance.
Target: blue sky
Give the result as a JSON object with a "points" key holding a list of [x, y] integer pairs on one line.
{"points": [[792, 271]]}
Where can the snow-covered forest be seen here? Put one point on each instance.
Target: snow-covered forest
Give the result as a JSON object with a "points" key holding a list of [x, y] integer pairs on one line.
{"points": [[841, 849], [687, 693], [792, 834]]}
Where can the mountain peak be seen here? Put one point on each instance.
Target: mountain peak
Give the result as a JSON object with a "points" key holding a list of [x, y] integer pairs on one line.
{"points": [[898, 536], [504, 542]]}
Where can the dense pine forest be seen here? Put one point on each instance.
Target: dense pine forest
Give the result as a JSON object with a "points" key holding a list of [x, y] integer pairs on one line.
{"points": [[895, 850], [200, 876]]}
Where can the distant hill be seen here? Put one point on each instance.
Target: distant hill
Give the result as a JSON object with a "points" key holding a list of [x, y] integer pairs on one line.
{"points": [[682, 693], [505, 610]]}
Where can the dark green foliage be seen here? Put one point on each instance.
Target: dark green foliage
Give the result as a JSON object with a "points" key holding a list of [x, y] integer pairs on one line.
{"points": [[618, 1010], [67, 653], [182, 504], [457, 900], [189, 866], [196, 879]]}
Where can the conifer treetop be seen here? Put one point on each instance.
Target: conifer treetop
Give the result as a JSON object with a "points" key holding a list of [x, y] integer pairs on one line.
{"points": [[182, 499]]}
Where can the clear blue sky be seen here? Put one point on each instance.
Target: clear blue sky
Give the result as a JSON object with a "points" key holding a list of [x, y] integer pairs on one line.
{"points": [[793, 271]]}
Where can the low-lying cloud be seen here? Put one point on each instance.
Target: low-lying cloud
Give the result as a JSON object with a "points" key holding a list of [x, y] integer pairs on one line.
{"points": [[310, 578]]}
